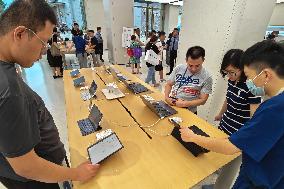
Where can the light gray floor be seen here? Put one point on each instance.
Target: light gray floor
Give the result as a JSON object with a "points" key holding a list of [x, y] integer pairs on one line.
{"points": [[40, 79]]}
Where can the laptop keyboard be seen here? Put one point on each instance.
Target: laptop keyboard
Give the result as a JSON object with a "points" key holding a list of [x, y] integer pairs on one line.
{"points": [[137, 88], [85, 95], [86, 127], [163, 109]]}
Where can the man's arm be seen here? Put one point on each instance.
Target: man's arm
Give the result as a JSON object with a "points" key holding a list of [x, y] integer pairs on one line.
{"points": [[218, 145], [168, 88], [33, 167], [193, 103]]}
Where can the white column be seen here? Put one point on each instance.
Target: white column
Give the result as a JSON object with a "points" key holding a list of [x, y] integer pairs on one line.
{"points": [[171, 17], [218, 26], [95, 17], [118, 13], [277, 18]]}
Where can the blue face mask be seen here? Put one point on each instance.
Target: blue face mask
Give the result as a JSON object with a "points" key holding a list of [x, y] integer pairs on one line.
{"points": [[256, 91]]}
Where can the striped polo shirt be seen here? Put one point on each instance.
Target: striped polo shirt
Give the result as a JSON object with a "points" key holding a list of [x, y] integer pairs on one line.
{"points": [[239, 99]]}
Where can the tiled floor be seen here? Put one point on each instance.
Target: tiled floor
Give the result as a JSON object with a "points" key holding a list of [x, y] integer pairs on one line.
{"points": [[40, 79]]}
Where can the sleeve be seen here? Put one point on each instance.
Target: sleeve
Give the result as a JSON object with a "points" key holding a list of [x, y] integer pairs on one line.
{"points": [[207, 87], [172, 77], [155, 49], [258, 136], [19, 132], [253, 99]]}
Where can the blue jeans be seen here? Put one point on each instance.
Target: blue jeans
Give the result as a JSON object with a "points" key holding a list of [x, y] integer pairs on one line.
{"points": [[151, 75]]}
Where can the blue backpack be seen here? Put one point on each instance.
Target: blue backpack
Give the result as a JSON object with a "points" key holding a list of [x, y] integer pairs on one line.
{"points": [[137, 52]]}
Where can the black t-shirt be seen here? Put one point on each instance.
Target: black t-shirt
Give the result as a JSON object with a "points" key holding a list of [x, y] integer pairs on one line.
{"points": [[25, 123], [154, 48], [94, 42]]}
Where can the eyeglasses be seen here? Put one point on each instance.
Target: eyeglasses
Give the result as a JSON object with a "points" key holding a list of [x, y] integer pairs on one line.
{"points": [[44, 44], [230, 73]]}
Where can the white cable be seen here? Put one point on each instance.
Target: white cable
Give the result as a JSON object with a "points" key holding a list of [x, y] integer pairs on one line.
{"points": [[158, 134], [149, 126]]}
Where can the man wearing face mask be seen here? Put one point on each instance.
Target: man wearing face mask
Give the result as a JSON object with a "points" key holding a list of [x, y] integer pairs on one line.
{"points": [[261, 139], [190, 84], [31, 153]]}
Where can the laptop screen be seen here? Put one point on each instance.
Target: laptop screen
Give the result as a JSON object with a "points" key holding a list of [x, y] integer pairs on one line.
{"points": [[93, 88]]}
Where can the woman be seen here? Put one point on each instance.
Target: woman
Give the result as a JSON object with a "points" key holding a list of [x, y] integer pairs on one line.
{"points": [[261, 139], [151, 68], [55, 59], [240, 104], [134, 60]]}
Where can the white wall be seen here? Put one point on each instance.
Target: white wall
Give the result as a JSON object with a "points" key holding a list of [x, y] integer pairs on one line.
{"points": [[277, 18], [95, 17], [171, 18], [239, 26]]}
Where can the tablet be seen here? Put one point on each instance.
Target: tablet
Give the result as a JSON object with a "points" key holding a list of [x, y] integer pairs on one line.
{"points": [[74, 73], [104, 148]]}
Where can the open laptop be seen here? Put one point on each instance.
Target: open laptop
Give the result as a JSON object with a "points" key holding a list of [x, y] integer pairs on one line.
{"points": [[79, 81], [116, 74], [91, 93], [160, 108], [74, 73], [92, 123], [135, 87]]}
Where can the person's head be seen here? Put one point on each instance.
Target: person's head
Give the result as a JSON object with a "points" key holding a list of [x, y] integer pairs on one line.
{"points": [[133, 37], [162, 35], [153, 39], [153, 32], [175, 32], [264, 67], [91, 33], [170, 35], [195, 57], [99, 29], [232, 66], [26, 26], [76, 26], [137, 31]]}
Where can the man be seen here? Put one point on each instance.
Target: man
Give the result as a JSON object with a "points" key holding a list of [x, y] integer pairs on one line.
{"points": [[75, 30], [173, 47], [100, 46], [190, 84], [261, 139], [31, 153], [162, 46], [80, 45], [93, 45]]}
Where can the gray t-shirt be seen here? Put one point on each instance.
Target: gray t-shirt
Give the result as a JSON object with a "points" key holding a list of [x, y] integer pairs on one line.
{"points": [[25, 123], [188, 86]]}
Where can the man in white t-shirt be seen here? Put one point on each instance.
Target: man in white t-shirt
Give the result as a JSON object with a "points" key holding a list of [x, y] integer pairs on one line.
{"points": [[190, 84], [161, 44]]}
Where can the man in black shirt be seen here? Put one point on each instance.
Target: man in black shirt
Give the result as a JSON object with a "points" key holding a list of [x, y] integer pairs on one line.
{"points": [[94, 46], [75, 30], [31, 152]]}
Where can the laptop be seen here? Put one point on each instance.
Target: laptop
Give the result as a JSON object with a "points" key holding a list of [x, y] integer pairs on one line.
{"points": [[190, 146], [79, 81], [91, 93], [92, 123], [74, 73], [135, 87], [117, 75], [160, 108]]}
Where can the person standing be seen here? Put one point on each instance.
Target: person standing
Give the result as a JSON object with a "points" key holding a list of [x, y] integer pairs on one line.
{"points": [[173, 47], [100, 46], [31, 153], [81, 54], [261, 139], [134, 61], [93, 46], [75, 29], [161, 44]]}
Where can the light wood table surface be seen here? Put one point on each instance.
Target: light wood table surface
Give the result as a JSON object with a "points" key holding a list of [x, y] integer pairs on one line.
{"points": [[148, 160]]}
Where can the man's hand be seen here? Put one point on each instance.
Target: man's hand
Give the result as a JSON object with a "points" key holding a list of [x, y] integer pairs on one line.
{"points": [[181, 103], [170, 101], [86, 171], [186, 134]]}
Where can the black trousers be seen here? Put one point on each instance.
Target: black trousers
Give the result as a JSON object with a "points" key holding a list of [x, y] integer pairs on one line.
{"points": [[13, 184], [173, 56]]}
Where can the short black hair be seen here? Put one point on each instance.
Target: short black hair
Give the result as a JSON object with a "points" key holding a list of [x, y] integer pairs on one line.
{"points": [[195, 53], [265, 54], [176, 29], [133, 37], [153, 39], [29, 13], [153, 31], [162, 33], [76, 24], [92, 31], [99, 28], [54, 29], [233, 57]]}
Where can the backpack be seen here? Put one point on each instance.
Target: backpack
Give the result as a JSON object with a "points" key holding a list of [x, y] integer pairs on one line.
{"points": [[130, 52], [137, 52]]}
